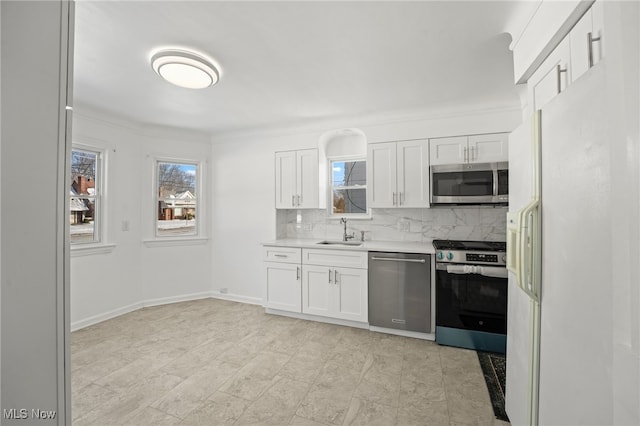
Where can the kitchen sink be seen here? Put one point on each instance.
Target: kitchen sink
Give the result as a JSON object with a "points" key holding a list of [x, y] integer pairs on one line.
{"points": [[341, 243]]}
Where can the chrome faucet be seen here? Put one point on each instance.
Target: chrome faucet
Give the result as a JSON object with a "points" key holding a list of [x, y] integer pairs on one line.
{"points": [[345, 236]]}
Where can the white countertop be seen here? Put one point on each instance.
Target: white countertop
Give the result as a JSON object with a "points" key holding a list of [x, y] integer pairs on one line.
{"points": [[388, 246]]}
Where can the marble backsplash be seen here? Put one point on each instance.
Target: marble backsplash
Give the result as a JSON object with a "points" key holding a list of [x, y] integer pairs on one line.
{"points": [[457, 223]]}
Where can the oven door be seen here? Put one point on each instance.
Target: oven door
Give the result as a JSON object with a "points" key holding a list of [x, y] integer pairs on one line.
{"points": [[471, 301], [485, 183]]}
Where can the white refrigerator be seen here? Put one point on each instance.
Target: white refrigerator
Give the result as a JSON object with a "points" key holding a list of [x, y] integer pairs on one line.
{"points": [[559, 321]]}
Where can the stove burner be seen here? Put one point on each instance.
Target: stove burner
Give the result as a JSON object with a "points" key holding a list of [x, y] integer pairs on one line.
{"points": [[470, 245]]}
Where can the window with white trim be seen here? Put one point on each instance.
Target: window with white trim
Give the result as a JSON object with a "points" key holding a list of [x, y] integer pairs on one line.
{"points": [[348, 186], [177, 186], [85, 193]]}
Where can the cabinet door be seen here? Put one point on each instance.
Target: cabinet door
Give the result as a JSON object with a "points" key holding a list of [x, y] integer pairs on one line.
{"points": [[283, 286], [413, 173], [350, 294], [489, 148], [580, 45], [316, 290], [381, 174], [307, 179], [448, 150], [285, 179], [552, 77]]}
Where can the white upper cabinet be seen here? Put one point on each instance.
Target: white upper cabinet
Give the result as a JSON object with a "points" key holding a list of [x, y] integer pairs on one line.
{"points": [[297, 179], [398, 174], [552, 77], [381, 174], [586, 41], [489, 148], [448, 150], [469, 149], [573, 56]]}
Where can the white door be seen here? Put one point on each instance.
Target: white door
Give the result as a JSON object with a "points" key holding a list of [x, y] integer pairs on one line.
{"points": [[317, 290], [381, 174], [285, 179], [307, 179], [488, 148], [448, 150], [350, 294], [413, 173], [283, 287], [577, 291]]}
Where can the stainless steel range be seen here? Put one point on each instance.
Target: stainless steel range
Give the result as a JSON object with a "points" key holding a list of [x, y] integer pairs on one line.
{"points": [[471, 294]]}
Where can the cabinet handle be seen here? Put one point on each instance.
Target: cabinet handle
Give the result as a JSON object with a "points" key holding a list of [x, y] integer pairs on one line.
{"points": [[401, 198], [299, 199], [473, 154], [559, 71], [297, 273], [590, 40], [465, 154], [293, 201], [394, 198], [329, 276], [280, 255], [335, 276]]}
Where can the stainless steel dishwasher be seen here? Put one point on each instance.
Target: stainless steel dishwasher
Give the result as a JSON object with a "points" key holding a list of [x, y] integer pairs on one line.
{"points": [[400, 291]]}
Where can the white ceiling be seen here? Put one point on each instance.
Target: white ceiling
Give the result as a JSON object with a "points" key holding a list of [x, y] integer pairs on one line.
{"points": [[294, 63]]}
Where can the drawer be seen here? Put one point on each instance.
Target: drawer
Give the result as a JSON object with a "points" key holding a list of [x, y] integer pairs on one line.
{"points": [[282, 254], [335, 258]]}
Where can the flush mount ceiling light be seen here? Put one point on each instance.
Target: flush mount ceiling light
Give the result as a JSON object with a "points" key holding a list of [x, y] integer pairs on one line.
{"points": [[185, 69]]}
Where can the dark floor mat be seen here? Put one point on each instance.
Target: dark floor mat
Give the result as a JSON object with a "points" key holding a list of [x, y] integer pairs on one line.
{"points": [[494, 368]]}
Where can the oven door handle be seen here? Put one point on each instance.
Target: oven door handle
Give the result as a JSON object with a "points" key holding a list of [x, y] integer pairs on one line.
{"points": [[485, 271]]}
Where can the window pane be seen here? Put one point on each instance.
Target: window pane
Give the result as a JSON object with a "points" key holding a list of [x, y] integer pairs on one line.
{"points": [[177, 202], [349, 201], [174, 221], [82, 203], [83, 220], [349, 173]]}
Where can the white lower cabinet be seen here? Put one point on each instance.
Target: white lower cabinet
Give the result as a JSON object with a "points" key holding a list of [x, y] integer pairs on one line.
{"points": [[328, 283], [283, 274], [335, 291]]}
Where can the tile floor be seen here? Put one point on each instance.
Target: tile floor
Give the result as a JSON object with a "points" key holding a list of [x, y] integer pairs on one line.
{"points": [[214, 362]]}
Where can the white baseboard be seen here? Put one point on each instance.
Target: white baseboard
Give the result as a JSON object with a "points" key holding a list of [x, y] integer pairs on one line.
{"points": [[317, 318], [77, 325], [176, 299], [236, 298]]}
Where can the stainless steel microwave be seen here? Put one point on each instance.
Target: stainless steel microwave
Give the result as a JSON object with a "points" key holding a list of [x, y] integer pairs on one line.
{"points": [[482, 183]]}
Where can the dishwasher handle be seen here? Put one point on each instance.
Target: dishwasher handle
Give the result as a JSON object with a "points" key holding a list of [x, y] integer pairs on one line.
{"points": [[393, 259]]}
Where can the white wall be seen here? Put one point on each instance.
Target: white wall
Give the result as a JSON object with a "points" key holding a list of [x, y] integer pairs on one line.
{"points": [[244, 212], [136, 274], [33, 258]]}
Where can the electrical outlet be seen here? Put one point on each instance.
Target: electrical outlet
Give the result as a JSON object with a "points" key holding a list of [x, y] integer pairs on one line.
{"points": [[125, 225], [404, 225], [307, 227]]}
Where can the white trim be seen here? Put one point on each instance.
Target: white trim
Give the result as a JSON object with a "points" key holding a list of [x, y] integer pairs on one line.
{"points": [[175, 241], [176, 299], [77, 325], [80, 324], [236, 298], [200, 194], [78, 250]]}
